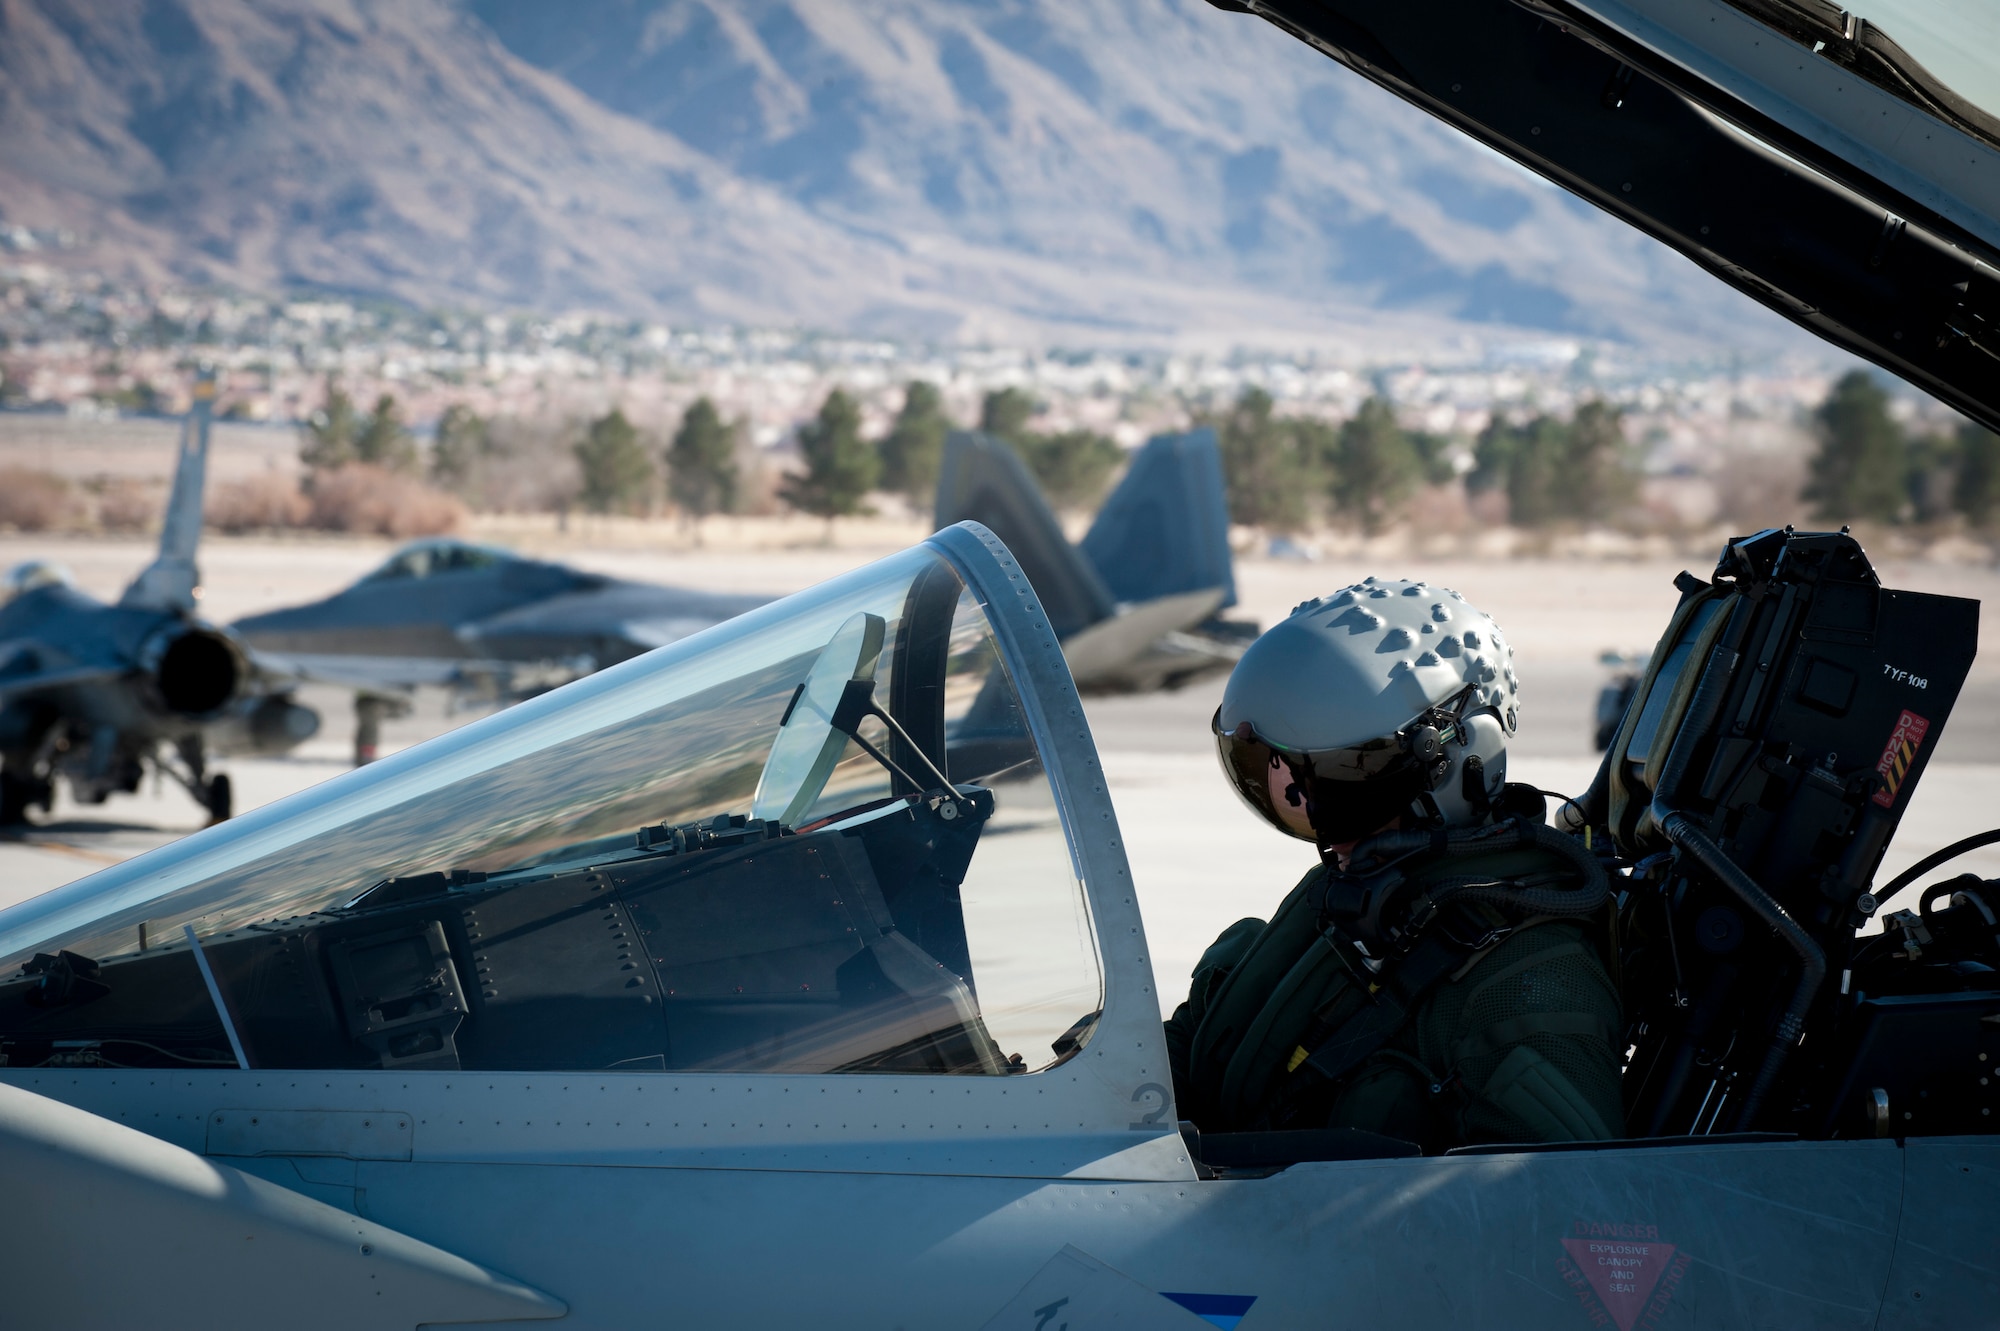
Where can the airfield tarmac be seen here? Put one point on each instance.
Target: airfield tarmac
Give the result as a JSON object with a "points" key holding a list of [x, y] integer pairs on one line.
{"points": [[1199, 859]]}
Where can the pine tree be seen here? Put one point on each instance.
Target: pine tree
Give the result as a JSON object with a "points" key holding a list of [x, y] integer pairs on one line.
{"points": [[1553, 471], [1270, 468], [382, 440], [701, 463], [617, 474], [1858, 471], [1930, 475], [1594, 477], [327, 441], [914, 448], [840, 466], [1522, 462], [463, 440], [1375, 466], [1005, 414], [1976, 492], [1072, 466]]}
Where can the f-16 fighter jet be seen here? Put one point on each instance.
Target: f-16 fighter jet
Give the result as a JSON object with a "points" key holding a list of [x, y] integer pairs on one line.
{"points": [[94, 694], [480, 618], [484, 623]]}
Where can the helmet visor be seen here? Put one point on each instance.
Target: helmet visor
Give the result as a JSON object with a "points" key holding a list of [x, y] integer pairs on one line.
{"points": [[1335, 796]]}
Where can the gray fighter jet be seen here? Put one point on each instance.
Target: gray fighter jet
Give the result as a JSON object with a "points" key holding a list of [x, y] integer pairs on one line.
{"points": [[479, 620], [1138, 604], [808, 945], [94, 694], [794, 975]]}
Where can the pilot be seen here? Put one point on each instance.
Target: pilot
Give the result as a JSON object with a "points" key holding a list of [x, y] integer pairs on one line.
{"points": [[1439, 978]]}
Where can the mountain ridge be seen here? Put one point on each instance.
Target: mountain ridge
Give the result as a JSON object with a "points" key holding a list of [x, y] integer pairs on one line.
{"points": [[1140, 171]]}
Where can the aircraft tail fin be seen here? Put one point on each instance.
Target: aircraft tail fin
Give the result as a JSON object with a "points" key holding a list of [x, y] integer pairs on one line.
{"points": [[982, 479], [1165, 530], [169, 582]]}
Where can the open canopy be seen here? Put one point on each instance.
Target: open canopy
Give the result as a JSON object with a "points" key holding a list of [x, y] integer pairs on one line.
{"points": [[1841, 168], [820, 837]]}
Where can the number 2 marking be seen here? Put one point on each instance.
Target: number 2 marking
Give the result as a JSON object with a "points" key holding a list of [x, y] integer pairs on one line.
{"points": [[1151, 1088]]}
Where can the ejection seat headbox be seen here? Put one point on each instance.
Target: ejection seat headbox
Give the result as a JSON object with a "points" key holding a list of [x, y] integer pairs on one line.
{"points": [[1826, 694], [1760, 769]]}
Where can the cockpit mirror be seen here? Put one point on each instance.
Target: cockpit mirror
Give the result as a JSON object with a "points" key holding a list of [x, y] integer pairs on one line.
{"points": [[816, 726]]}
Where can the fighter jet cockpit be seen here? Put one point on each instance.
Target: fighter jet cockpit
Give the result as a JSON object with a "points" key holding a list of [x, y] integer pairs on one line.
{"points": [[31, 575], [819, 838], [423, 559]]}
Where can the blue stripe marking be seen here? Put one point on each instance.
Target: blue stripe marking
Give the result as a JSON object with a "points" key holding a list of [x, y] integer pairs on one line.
{"points": [[1223, 1310]]}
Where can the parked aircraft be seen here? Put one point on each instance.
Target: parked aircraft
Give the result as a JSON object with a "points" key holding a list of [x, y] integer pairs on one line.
{"points": [[480, 620], [94, 694], [793, 975], [1138, 602]]}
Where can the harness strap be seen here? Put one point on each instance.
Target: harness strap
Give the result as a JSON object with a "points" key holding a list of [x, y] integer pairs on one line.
{"points": [[1528, 963], [1377, 1023], [1514, 1030]]}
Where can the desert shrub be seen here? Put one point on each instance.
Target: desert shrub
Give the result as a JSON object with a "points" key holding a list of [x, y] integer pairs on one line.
{"points": [[127, 505], [36, 500], [263, 503], [361, 498]]}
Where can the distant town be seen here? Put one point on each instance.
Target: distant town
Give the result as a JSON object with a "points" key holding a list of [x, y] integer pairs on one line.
{"points": [[510, 411]]}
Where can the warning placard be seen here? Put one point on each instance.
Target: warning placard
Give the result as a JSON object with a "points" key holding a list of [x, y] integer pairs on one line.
{"points": [[1898, 754], [1622, 1274]]}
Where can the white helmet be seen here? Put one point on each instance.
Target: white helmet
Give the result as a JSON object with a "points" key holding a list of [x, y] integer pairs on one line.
{"points": [[1384, 700]]}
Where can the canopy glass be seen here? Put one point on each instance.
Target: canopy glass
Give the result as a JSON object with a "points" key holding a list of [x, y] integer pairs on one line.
{"points": [[818, 838]]}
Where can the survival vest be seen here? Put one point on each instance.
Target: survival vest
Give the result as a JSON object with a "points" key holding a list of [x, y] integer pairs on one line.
{"points": [[1481, 1013]]}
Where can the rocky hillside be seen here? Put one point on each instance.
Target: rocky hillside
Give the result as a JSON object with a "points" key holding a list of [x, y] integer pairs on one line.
{"points": [[1121, 170]]}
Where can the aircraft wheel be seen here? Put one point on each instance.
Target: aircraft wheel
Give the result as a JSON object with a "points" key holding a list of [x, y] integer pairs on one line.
{"points": [[16, 794], [220, 799]]}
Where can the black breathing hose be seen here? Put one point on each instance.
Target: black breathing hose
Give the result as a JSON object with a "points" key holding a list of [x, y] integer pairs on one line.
{"points": [[1680, 830], [1932, 861], [1463, 842]]}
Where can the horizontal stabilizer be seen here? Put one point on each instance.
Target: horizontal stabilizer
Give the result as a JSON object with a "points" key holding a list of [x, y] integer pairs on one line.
{"points": [[982, 480], [355, 671], [1165, 529], [1098, 655], [43, 681], [107, 1226]]}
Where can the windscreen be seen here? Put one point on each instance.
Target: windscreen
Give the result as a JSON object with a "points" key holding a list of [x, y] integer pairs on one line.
{"points": [[1957, 43], [585, 881]]}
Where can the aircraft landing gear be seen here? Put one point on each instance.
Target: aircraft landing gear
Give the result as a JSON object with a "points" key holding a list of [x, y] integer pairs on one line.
{"points": [[213, 793], [219, 798], [18, 793], [370, 711]]}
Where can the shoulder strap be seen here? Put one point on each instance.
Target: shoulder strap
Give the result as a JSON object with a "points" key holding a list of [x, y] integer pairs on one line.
{"points": [[1375, 1024]]}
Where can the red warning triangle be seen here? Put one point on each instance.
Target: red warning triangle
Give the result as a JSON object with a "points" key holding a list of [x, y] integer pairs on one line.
{"points": [[1622, 1272]]}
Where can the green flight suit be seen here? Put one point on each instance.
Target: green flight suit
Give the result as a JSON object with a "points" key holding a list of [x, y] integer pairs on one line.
{"points": [[1518, 1043]]}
